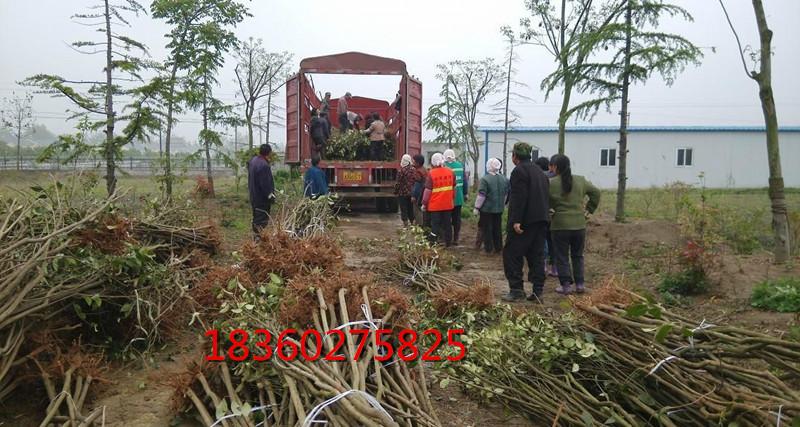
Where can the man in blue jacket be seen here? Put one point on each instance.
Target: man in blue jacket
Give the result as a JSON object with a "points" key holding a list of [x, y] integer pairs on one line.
{"points": [[315, 182], [261, 187]]}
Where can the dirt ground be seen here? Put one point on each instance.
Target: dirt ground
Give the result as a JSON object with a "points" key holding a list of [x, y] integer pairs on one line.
{"points": [[140, 395]]}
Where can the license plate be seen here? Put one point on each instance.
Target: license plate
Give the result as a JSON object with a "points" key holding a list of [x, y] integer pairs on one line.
{"points": [[353, 176]]}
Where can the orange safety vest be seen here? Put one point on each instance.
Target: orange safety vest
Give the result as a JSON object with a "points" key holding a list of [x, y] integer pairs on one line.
{"points": [[444, 182]]}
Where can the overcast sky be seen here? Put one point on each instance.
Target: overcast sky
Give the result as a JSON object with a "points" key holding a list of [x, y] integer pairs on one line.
{"points": [[34, 38]]}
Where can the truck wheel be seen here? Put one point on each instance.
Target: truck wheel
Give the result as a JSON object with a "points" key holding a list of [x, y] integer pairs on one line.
{"points": [[392, 205]]}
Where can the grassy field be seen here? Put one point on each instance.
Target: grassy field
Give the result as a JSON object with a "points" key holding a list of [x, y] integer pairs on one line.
{"points": [[741, 216]]}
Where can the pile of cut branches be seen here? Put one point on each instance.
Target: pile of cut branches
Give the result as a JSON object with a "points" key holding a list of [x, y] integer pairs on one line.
{"points": [[301, 281], [283, 392], [628, 363], [75, 263], [305, 217], [420, 263], [353, 145]]}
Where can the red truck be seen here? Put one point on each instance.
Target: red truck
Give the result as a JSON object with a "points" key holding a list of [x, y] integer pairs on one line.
{"points": [[354, 180]]}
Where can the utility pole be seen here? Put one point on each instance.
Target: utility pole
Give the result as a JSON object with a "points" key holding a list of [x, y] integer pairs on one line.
{"points": [[508, 100], [623, 121]]}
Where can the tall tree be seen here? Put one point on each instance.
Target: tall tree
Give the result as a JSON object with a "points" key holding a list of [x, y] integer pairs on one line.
{"points": [[188, 19], [440, 119], [17, 115], [470, 83], [556, 26], [629, 50], [510, 116], [209, 46], [762, 60], [120, 67], [260, 74]]}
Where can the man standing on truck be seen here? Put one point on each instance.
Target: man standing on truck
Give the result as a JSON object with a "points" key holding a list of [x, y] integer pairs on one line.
{"points": [[319, 134], [376, 132], [325, 104], [261, 188], [461, 190], [341, 110], [439, 199]]}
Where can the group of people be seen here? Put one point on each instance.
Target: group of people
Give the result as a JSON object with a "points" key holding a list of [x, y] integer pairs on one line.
{"points": [[320, 127], [433, 198], [547, 209]]}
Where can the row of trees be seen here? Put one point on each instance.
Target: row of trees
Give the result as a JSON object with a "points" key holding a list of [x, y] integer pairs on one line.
{"points": [[139, 97], [600, 49]]}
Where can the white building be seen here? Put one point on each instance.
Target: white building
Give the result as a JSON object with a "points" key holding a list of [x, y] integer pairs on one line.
{"points": [[728, 157]]}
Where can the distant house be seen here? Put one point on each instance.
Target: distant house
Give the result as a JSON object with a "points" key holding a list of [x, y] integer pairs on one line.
{"points": [[726, 156]]}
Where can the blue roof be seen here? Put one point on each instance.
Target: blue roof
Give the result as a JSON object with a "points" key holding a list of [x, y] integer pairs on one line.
{"points": [[548, 129]]}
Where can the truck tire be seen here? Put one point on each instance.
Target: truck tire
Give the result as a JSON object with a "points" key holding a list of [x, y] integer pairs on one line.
{"points": [[392, 205]]}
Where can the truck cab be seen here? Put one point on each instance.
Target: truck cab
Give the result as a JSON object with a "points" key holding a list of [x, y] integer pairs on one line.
{"points": [[355, 179]]}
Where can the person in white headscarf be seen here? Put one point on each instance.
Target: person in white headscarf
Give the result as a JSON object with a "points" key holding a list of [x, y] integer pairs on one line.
{"points": [[406, 178], [461, 191], [439, 199], [490, 204]]}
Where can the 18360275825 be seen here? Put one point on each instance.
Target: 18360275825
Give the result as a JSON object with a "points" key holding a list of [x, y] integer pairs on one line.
{"points": [[261, 345]]}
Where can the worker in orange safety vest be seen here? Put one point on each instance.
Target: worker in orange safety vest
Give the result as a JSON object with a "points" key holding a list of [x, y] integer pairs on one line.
{"points": [[439, 199]]}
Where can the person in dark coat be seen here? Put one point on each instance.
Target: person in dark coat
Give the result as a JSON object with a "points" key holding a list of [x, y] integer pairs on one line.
{"points": [[315, 182], [528, 215], [320, 133], [549, 253], [261, 187]]}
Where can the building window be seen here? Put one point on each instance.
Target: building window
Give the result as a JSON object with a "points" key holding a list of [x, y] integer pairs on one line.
{"points": [[608, 157], [684, 157]]}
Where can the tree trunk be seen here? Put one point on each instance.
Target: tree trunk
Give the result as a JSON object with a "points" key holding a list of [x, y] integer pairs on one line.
{"points": [[207, 146], [111, 179], [508, 100], [780, 220], [449, 119], [168, 139], [623, 121], [562, 116], [160, 145], [269, 109], [19, 140], [249, 118]]}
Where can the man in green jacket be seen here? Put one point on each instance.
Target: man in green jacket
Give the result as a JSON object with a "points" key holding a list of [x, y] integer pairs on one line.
{"points": [[461, 190]]}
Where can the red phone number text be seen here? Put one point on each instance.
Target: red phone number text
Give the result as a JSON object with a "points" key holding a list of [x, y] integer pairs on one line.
{"points": [[310, 345]]}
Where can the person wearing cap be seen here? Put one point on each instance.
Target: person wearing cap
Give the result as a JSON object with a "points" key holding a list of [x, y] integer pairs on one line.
{"points": [[341, 110], [461, 190], [403, 188], [489, 205], [528, 215], [439, 199]]}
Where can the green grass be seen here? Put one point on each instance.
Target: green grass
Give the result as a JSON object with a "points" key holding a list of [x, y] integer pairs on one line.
{"points": [[662, 203], [781, 295]]}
